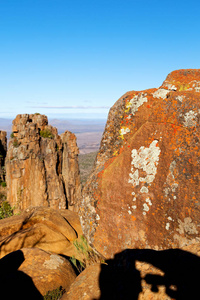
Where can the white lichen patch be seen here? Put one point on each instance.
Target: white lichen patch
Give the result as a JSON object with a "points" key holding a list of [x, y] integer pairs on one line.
{"points": [[196, 86], [148, 200], [174, 187], [97, 217], [161, 93], [172, 168], [187, 226], [135, 103], [167, 226], [145, 159], [190, 119], [171, 86], [171, 189], [53, 263], [123, 131], [144, 189], [145, 207], [180, 98]]}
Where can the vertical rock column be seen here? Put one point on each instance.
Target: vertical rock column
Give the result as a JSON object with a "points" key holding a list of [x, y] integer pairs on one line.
{"points": [[70, 169], [3, 150], [34, 165]]}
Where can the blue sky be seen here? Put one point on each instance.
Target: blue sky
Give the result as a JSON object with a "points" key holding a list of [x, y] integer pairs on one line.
{"points": [[74, 59]]}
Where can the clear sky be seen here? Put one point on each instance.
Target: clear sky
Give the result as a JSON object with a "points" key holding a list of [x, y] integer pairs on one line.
{"points": [[76, 58]]}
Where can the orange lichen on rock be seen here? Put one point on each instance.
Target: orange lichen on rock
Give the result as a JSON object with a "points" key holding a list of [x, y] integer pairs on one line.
{"points": [[182, 80], [149, 170]]}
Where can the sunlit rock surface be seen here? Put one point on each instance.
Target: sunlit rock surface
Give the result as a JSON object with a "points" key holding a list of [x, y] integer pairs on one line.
{"points": [[144, 190]]}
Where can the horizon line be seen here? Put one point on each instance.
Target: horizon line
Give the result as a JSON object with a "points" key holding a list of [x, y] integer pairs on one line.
{"points": [[72, 107]]}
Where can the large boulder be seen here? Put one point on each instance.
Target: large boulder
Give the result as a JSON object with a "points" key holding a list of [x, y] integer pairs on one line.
{"points": [[86, 286], [37, 163], [47, 270], [31, 273], [144, 190], [43, 228]]}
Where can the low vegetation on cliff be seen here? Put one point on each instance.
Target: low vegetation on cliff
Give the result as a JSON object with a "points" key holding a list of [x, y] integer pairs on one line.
{"points": [[6, 210], [86, 164], [46, 134]]}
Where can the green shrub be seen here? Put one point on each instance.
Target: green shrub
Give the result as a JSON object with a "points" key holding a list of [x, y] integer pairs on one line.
{"points": [[12, 135], [46, 134], [6, 210], [79, 265], [2, 197], [3, 184], [86, 252], [55, 294], [15, 143]]}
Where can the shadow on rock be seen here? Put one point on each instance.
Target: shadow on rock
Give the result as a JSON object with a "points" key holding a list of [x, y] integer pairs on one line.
{"points": [[15, 284], [121, 280]]}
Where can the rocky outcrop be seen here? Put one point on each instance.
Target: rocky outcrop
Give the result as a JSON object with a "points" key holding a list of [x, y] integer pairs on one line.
{"points": [[86, 285], [30, 273], [144, 190], [44, 228], [39, 169], [3, 150], [47, 270], [70, 169]]}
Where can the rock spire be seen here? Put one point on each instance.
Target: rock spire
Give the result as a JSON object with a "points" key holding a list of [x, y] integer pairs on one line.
{"points": [[41, 167]]}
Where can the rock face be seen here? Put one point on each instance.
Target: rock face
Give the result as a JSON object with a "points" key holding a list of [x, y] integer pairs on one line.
{"points": [[43, 228], [3, 150], [47, 270], [31, 273], [86, 285], [144, 191], [70, 169], [37, 163]]}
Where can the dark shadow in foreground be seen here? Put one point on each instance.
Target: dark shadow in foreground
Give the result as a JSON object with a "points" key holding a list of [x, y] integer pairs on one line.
{"points": [[120, 280], [15, 284]]}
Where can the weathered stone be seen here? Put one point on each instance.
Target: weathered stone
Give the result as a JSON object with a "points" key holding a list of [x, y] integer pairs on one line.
{"points": [[47, 270], [70, 169], [38, 170], [30, 273], [43, 228], [86, 285], [3, 150], [144, 190]]}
